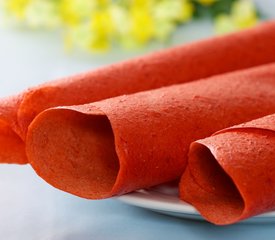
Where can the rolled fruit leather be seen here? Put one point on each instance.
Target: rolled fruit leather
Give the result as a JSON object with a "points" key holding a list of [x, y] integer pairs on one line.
{"points": [[136, 141], [176, 65], [231, 175]]}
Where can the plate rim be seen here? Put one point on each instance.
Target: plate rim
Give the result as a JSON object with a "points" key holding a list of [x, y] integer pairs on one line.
{"points": [[171, 205]]}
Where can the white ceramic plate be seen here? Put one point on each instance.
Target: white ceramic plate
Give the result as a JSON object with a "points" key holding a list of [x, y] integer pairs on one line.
{"points": [[164, 199]]}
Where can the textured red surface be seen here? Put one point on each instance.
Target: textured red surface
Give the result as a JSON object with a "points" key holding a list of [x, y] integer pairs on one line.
{"points": [[231, 175], [177, 65], [136, 141]]}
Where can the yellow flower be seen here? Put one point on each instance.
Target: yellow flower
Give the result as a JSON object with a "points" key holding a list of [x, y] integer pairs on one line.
{"points": [[224, 24], [42, 13], [167, 14], [176, 10], [16, 7], [73, 12], [101, 28], [102, 3], [96, 24], [163, 29], [122, 26], [120, 18], [90, 24], [207, 2], [141, 22], [187, 11], [244, 14]]}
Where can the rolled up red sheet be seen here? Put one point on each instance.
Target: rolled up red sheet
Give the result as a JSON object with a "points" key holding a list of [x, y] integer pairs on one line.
{"points": [[231, 175], [178, 65], [136, 141]]}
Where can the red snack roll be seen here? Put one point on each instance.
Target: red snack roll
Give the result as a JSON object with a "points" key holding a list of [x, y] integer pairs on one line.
{"points": [[231, 175], [177, 65], [118, 145]]}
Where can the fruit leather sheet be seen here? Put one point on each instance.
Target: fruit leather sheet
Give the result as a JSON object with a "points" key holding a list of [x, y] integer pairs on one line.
{"points": [[231, 175], [177, 65], [118, 145]]}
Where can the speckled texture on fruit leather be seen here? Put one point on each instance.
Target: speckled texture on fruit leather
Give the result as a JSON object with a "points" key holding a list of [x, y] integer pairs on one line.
{"points": [[245, 156], [136, 141]]}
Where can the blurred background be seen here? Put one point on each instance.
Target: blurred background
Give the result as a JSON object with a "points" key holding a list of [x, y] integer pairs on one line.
{"points": [[99, 25], [61, 37], [42, 40]]}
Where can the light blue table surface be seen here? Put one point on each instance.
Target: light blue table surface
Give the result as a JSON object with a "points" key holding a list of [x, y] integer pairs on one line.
{"points": [[30, 209]]}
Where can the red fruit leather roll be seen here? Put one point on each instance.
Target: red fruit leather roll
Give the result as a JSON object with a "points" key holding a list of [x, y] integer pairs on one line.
{"points": [[136, 141], [177, 65], [231, 175]]}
